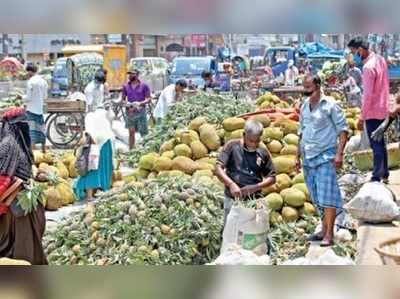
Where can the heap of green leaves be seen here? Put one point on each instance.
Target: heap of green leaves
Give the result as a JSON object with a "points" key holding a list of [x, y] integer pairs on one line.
{"points": [[215, 107], [164, 222]]}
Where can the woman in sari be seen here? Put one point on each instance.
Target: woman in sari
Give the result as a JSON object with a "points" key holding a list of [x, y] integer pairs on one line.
{"points": [[20, 233]]}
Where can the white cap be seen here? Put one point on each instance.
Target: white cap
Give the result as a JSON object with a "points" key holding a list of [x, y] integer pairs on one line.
{"points": [[290, 63]]}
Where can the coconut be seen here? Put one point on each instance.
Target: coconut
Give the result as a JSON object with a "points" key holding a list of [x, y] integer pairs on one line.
{"points": [[272, 134], [289, 149], [284, 164], [298, 179], [283, 181], [289, 214], [274, 146], [293, 197], [308, 209], [271, 189], [183, 150], [303, 188], [274, 201], [291, 139], [199, 150]]}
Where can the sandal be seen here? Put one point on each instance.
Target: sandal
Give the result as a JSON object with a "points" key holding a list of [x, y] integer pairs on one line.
{"points": [[316, 237], [326, 243], [385, 181]]}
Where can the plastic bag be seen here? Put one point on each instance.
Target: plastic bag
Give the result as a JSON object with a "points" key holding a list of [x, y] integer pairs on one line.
{"points": [[120, 131], [374, 203], [247, 228], [94, 157], [317, 256], [236, 256]]}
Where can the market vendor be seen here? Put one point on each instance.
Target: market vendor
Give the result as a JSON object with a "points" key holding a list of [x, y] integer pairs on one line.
{"points": [[224, 78], [322, 122], [209, 82], [36, 94], [94, 92], [169, 96], [136, 95], [244, 167], [20, 234]]}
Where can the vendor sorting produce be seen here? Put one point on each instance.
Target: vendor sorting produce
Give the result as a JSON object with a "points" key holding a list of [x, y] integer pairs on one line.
{"points": [[169, 96], [244, 167], [321, 123], [21, 232], [136, 95]]}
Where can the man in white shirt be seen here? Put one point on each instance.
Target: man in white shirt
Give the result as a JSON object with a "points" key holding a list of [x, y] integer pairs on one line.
{"points": [[291, 74], [36, 94], [94, 92], [169, 96]]}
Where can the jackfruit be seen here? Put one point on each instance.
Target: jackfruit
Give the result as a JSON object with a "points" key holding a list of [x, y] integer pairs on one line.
{"points": [[233, 123], [183, 150], [162, 164], [274, 147], [274, 201], [196, 123], [199, 150], [284, 164], [209, 137], [184, 164], [169, 154], [263, 119], [289, 149], [272, 134], [187, 137], [293, 197], [289, 214], [147, 162], [291, 139]]}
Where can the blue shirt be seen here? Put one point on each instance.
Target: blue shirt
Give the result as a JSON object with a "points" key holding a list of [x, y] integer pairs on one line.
{"points": [[320, 128]]}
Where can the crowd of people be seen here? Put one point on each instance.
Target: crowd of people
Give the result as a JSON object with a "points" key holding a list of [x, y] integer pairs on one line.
{"points": [[243, 166]]}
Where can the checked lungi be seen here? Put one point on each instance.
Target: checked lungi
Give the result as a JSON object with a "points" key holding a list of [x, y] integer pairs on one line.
{"points": [[37, 128], [321, 180]]}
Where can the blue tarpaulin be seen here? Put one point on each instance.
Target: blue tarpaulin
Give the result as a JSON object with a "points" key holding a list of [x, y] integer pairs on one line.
{"points": [[318, 49]]}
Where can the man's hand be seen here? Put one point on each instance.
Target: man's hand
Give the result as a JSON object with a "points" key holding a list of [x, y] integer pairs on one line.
{"points": [[360, 125], [339, 160], [249, 190], [235, 190], [379, 133]]}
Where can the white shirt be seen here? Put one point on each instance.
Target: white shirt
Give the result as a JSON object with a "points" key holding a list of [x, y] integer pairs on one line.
{"points": [[36, 93], [94, 95], [291, 75], [351, 86], [166, 100]]}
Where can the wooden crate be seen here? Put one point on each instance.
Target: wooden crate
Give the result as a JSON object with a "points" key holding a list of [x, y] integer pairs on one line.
{"points": [[54, 106]]}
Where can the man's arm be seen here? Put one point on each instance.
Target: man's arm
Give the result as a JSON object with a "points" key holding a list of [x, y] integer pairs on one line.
{"points": [[147, 97], [28, 97], [227, 181], [342, 130]]}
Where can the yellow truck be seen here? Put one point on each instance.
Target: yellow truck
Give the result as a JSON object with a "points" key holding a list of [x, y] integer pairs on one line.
{"points": [[114, 61]]}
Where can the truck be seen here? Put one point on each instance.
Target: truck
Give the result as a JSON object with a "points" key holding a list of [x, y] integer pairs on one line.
{"points": [[191, 68], [114, 60], [153, 71]]}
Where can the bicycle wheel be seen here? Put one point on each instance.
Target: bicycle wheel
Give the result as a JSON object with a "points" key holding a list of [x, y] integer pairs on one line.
{"points": [[64, 130]]}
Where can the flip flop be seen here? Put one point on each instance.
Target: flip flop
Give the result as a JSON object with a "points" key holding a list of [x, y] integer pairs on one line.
{"points": [[326, 243], [317, 237]]}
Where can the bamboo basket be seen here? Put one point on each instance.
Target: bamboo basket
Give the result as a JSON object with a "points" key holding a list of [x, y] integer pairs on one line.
{"points": [[387, 256]]}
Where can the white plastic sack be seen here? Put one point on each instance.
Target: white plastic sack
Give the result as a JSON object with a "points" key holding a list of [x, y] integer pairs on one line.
{"points": [[340, 234], [353, 144], [374, 203], [121, 147], [320, 257], [94, 157], [121, 133], [236, 256], [351, 179], [247, 228]]}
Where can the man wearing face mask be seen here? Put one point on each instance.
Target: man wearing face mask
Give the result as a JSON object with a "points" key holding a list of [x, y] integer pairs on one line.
{"points": [[353, 46], [244, 167], [136, 95], [375, 105], [94, 92], [322, 122]]}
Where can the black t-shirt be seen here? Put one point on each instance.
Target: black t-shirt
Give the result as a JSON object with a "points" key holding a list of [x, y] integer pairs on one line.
{"points": [[243, 167]]}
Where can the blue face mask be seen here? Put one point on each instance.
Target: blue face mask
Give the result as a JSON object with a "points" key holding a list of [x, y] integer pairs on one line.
{"points": [[357, 59]]}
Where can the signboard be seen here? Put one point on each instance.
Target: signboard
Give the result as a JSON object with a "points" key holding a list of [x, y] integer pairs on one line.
{"points": [[195, 41], [114, 38]]}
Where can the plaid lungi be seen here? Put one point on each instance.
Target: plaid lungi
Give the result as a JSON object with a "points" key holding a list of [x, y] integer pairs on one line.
{"points": [[321, 181], [138, 121], [37, 128]]}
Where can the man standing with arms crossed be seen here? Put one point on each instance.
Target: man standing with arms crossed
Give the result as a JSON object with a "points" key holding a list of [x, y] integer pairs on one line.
{"points": [[321, 123]]}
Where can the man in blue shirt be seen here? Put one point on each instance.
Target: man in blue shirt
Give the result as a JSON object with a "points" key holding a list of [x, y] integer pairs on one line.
{"points": [[321, 123]]}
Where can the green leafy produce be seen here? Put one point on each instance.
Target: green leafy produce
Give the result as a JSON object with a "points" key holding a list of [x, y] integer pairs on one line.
{"points": [[159, 222]]}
